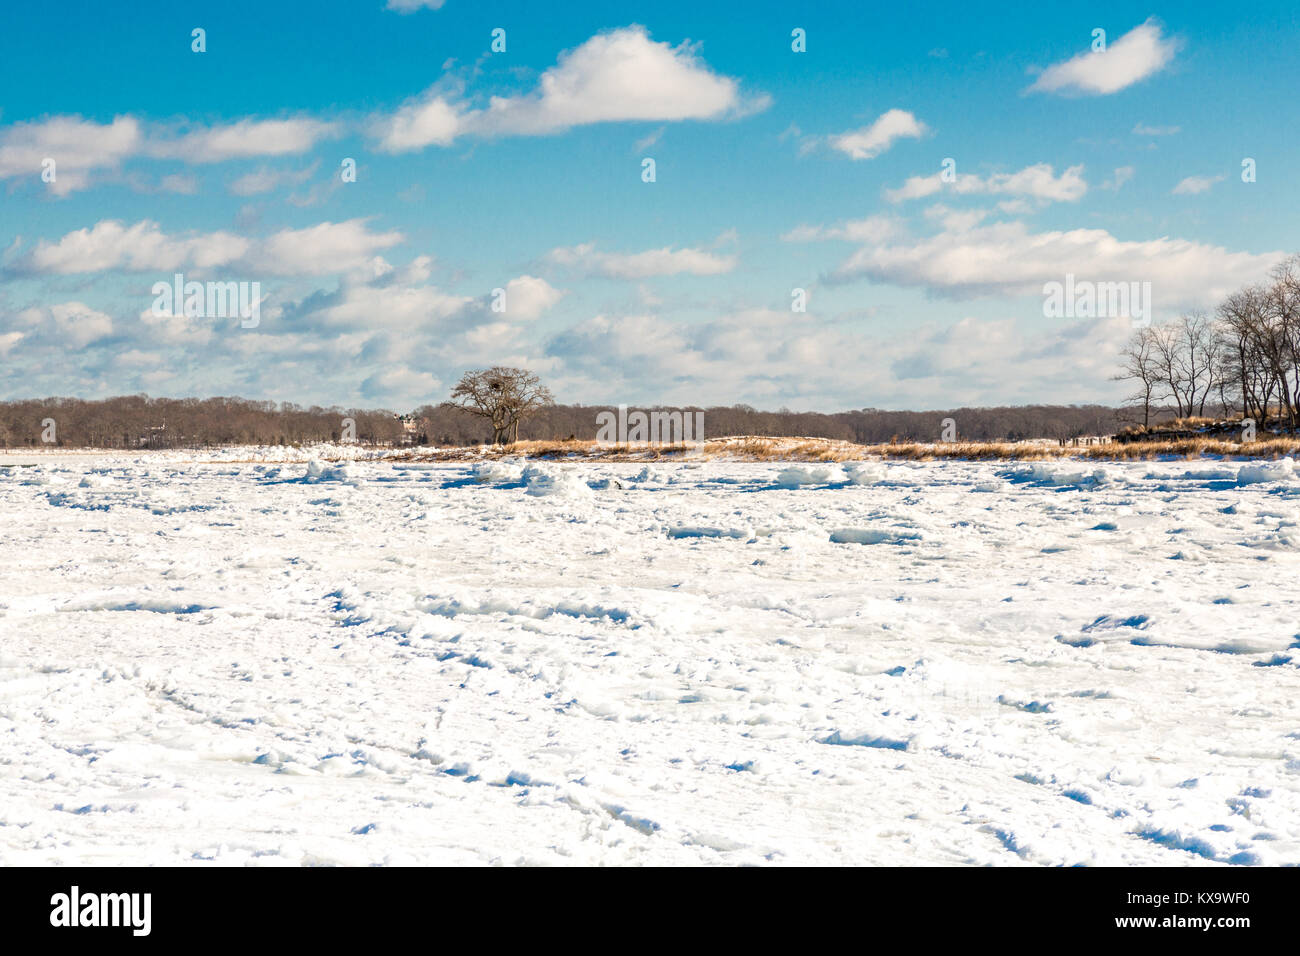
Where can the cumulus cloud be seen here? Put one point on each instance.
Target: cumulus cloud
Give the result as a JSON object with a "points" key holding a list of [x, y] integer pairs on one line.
{"points": [[1140, 53], [870, 141], [361, 305], [1121, 175], [618, 76], [264, 180], [528, 297], [77, 147], [323, 249], [870, 229], [244, 139], [430, 121], [1194, 185], [138, 247], [763, 356], [1033, 182], [402, 386], [1006, 258], [68, 324], [173, 329], [667, 261]]}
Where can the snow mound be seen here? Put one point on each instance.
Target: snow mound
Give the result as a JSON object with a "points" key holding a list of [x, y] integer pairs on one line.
{"points": [[495, 473], [797, 476], [1262, 471], [318, 471], [865, 472], [873, 536], [558, 482], [1042, 473], [700, 531], [648, 475]]}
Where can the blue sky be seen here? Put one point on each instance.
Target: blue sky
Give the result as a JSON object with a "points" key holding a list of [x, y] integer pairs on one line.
{"points": [[521, 170]]}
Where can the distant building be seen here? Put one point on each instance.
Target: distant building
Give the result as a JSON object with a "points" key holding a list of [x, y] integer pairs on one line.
{"points": [[412, 428]]}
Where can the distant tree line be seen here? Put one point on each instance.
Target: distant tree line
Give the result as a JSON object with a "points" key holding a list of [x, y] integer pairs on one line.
{"points": [[1245, 358], [137, 421], [140, 422], [865, 426]]}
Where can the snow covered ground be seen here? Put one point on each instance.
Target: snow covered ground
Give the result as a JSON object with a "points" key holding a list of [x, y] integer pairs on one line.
{"points": [[378, 662]]}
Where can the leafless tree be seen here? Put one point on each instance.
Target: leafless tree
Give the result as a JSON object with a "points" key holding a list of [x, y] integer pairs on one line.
{"points": [[1248, 355], [504, 396], [1283, 311], [1140, 366], [1198, 360], [1241, 320]]}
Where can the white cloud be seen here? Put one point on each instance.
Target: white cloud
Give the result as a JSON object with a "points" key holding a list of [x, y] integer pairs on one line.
{"points": [[870, 141], [77, 147], [1194, 185], [176, 330], [323, 249], [642, 265], [1007, 259], [179, 183], [80, 147], [1141, 52], [244, 139], [410, 6], [403, 386], [73, 324], [433, 121], [645, 142], [139, 247], [762, 356], [1121, 175], [1141, 129], [618, 76], [264, 180], [527, 297], [1035, 182], [870, 229], [363, 305]]}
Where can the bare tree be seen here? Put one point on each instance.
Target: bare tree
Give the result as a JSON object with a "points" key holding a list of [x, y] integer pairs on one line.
{"points": [[504, 396], [1199, 359], [1167, 358], [1241, 320], [1140, 366], [1284, 310]]}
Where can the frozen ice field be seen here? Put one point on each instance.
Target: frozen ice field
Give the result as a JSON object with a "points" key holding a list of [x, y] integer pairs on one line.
{"points": [[712, 663]]}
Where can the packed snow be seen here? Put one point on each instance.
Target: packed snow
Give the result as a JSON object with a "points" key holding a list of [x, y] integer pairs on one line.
{"points": [[695, 663]]}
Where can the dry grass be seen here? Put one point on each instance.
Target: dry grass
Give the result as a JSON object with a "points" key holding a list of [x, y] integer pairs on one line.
{"points": [[976, 451], [1191, 421], [751, 448], [759, 448], [1194, 448]]}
